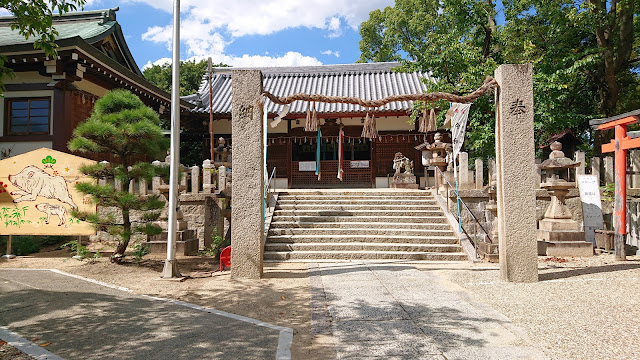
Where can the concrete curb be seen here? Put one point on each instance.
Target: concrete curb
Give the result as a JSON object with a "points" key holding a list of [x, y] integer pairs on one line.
{"points": [[285, 339], [35, 351]]}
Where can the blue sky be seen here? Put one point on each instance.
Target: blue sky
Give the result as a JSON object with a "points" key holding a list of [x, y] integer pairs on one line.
{"points": [[245, 32]]}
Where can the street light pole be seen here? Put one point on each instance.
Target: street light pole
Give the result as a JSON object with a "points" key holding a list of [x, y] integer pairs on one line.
{"points": [[171, 265]]}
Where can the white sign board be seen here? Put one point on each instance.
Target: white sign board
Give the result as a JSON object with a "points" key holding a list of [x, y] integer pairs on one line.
{"points": [[307, 166], [591, 205], [363, 164]]}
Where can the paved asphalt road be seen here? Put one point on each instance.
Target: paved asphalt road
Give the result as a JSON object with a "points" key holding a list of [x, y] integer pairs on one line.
{"points": [[86, 320]]}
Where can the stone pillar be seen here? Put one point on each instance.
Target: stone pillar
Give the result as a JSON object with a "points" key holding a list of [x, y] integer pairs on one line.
{"points": [[206, 177], [580, 157], [634, 157], [479, 174], [142, 187], [247, 212], [195, 179], [463, 169], [222, 178], [184, 180], [132, 183], [538, 173], [595, 168], [515, 177], [492, 168], [103, 181], [608, 170], [156, 181]]}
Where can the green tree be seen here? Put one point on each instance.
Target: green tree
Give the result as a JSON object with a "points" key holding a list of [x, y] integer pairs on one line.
{"points": [[581, 51], [191, 73], [123, 126], [454, 40], [34, 19]]}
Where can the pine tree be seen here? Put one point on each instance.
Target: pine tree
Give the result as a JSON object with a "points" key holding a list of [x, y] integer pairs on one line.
{"points": [[121, 125]]}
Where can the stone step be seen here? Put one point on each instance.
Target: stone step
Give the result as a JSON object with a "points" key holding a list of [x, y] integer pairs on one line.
{"points": [[365, 201], [280, 206], [375, 218], [426, 197], [363, 255], [357, 192], [361, 231], [433, 225], [360, 246], [359, 212], [341, 238]]}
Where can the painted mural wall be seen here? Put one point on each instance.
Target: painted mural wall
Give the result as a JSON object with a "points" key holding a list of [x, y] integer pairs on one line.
{"points": [[38, 194]]}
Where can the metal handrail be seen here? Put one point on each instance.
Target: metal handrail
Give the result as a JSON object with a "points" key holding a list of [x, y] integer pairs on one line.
{"points": [[265, 201], [268, 184], [477, 222]]}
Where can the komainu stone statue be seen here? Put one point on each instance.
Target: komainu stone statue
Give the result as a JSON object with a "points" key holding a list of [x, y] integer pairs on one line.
{"points": [[406, 179], [400, 161]]}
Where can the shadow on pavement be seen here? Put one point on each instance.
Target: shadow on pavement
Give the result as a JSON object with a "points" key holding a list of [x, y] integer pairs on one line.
{"points": [[587, 270], [111, 324]]}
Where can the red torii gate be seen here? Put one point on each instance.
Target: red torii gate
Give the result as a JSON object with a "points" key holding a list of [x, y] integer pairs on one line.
{"points": [[619, 145]]}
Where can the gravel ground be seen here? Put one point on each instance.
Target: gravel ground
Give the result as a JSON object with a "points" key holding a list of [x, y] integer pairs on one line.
{"points": [[8, 352], [583, 308]]}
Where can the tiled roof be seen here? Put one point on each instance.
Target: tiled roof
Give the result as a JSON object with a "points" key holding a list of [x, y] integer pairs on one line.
{"points": [[369, 81], [87, 25]]}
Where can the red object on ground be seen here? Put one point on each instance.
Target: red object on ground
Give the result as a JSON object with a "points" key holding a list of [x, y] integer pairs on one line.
{"points": [[225, 258]]}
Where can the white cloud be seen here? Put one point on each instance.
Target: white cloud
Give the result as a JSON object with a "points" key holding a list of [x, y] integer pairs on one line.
{"points": [[207, 27], [291, 58], [331, 52], [160, 61], [333, 25], [250, 17], [4, 12]]}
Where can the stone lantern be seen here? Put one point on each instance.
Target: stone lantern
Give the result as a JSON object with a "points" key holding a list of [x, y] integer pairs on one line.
{"points": [[558, 233]]}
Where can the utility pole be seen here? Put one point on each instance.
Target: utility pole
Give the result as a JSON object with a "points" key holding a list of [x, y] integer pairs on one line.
{"points": [[171, 265]]}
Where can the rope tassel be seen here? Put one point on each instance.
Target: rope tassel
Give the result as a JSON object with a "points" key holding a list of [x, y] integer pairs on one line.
{"points": [[369, 130], [312, 119], [431, 126], [424, 122]]}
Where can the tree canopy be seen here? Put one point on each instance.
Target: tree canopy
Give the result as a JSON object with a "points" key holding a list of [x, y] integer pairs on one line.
{"points": [[582, 52], [191, 73], [121, 125], [34, 19]]}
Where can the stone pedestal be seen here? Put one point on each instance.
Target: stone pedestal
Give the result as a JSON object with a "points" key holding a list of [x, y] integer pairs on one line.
{"points": [[186, 241], [404, 181], [562, 237]]}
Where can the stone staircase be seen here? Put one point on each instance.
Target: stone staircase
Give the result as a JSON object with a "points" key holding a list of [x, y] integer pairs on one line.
{"points": [[360, 224]]}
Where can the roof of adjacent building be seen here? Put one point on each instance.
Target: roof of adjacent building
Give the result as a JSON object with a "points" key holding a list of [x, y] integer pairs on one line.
{"points": [[368, 81], [90, 26]]}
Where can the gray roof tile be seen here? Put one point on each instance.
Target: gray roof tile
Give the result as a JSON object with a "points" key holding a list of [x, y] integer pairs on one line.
{"points": [[369, 81]]}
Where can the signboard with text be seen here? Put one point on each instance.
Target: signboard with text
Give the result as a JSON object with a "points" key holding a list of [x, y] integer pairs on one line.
{"points": [[38, 194], [591, 205]]}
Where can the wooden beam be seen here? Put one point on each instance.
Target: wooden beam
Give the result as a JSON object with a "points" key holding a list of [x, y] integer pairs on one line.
{"points": [[625, 121]]}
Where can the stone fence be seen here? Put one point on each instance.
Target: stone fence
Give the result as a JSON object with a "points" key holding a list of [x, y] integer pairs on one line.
{"points": [[203, 199], [476, 176], [474, 191]]}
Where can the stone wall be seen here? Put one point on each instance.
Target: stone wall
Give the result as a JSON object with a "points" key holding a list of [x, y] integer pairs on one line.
{"points": [[201, 212]]}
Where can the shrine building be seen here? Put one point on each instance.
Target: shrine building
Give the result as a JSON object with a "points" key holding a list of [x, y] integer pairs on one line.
{"points": [[292, 151], [47, 97]]}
